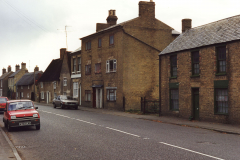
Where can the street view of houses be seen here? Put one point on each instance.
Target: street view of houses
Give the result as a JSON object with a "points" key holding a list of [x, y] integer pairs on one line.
{"points": [[138, 89]]}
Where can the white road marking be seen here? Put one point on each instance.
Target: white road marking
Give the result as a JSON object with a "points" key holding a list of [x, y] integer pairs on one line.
{"points": [[191, 151], [123, 132]]}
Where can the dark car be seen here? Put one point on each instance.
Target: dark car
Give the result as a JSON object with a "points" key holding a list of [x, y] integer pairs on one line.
{"points": [[3, 101], [20, 113], [64, 101]]}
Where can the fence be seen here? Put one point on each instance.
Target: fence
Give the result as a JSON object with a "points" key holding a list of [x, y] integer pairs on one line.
{"points": [[149, 106]]}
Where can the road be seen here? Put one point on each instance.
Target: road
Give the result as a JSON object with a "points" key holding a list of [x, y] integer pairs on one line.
{"points": [[76, 134]]}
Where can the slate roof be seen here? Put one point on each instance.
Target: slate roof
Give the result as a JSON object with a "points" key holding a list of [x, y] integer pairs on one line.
{"points": [[221, 31], [5, 75], [12, 75], [28, 78], [52, 73], [77, 50]]}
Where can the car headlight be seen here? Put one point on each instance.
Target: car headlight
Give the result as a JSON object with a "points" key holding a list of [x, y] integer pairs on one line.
{"points": [[13, 117], [35, 115]]}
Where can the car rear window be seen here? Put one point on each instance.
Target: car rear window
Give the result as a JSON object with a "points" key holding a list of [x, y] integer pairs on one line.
{"points": [[3, 100], [20, 106]]}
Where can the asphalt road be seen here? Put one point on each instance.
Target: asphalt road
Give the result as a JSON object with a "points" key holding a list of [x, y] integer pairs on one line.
{"points": [[76, 134]]}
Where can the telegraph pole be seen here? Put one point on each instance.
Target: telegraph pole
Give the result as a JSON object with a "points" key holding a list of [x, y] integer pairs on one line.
{"points": [[66, 35]]}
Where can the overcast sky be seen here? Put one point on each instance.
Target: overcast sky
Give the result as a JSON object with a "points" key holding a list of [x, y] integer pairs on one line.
{"points": [[34, 31]]}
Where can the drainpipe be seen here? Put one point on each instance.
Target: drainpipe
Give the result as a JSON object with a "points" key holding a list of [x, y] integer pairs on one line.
{"points": [[159, 85]]}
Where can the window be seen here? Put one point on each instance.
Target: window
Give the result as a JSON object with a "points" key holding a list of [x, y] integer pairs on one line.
{"points": [[88, 45], [0, 92], [174, 99], [88, 69], [75, 89], [41, 84], [74, 65], [98, 68], [195, 63], [64, 81], [42, 95], [221, 101], [111, 39], [55, 95], [27, 95], [79, 64], [64, 93], [111, 94], [21, 94], [111, 65], [1, 83], [54, 85], [17, 94], [21, 87], [87, 95], [99, 42], [221, 59], [173, 62]]}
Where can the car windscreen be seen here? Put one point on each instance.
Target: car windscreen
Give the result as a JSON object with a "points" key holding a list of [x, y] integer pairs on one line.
{"points": [[20, 106], [3, 100]]}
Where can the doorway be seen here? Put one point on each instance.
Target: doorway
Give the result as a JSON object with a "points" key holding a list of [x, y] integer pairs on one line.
{"points": [[97, 97], [195, 93]]}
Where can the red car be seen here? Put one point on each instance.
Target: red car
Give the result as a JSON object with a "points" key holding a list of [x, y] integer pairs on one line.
{"points": [[3, 101], [20, 113]]}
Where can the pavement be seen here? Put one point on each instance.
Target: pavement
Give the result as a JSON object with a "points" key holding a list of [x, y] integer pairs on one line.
{"points": [[8, 152]]}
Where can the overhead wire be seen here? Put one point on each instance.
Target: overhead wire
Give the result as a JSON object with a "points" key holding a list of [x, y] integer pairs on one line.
{"points": [[24, 16]]}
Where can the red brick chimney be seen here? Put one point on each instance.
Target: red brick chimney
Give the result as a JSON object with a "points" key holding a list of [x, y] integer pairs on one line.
{"points": [[17, 67], [23, 66], [62, 52], [3, 71], [186, 24], [146, 9], [9, 68]]}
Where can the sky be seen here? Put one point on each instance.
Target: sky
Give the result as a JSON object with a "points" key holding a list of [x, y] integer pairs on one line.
{"points": [[34, 31]]}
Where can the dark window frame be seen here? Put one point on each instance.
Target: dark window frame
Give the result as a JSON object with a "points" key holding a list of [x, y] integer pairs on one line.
{"points": [[88, 46], [221, 53], [173, 64], [172, 100], [111, 65], [111, 39], [79, 64], [110, 97], [221, 101], [99, 42], [88, 69], [87, 95], [74, 65], [195, 63]]}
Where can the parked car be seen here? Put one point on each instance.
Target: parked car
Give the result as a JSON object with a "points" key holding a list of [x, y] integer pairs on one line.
{"points": [[64, 101], [20, 113], [3, 101]]}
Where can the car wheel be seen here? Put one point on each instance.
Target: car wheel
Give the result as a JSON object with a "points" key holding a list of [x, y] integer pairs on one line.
{"points": [[76, 107], [54, 105], [37, 127], [61, 106], [8, 127]]}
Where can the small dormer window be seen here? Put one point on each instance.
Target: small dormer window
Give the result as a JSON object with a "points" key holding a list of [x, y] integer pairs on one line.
{"points": [[64, 81]]}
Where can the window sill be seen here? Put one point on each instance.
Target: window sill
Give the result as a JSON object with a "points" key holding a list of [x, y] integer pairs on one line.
{"points": [[112, 72], [110, 101], [224, 114], [98, 72], [172, 77], [221, 74], [174, 109], [193, 76]]}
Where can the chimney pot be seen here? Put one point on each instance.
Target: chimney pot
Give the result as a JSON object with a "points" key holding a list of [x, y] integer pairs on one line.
{"points": [[9, 68], [112, 18], [3, 71]]}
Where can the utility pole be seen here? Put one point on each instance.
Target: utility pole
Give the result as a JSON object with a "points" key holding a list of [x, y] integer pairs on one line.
{"points": [[34, 84]]}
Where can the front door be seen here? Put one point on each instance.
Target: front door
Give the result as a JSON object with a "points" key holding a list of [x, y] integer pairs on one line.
{"points": [[94, 97], [99, 97], [195, 92]]}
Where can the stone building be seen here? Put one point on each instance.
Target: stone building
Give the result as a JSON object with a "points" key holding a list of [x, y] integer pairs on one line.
{"points": [[12, 80], [200, 70], [4, 82], [121, 60], [25, 86], [76, 74], [56, 79]]}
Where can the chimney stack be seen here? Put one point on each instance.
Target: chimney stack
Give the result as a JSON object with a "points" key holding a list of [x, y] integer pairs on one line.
{"points": [[17, 67], [3, 71], [9, 68], [23, 66], [62, 52], [186, 24], [36, 69], [147, 9], [112, 18]]}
